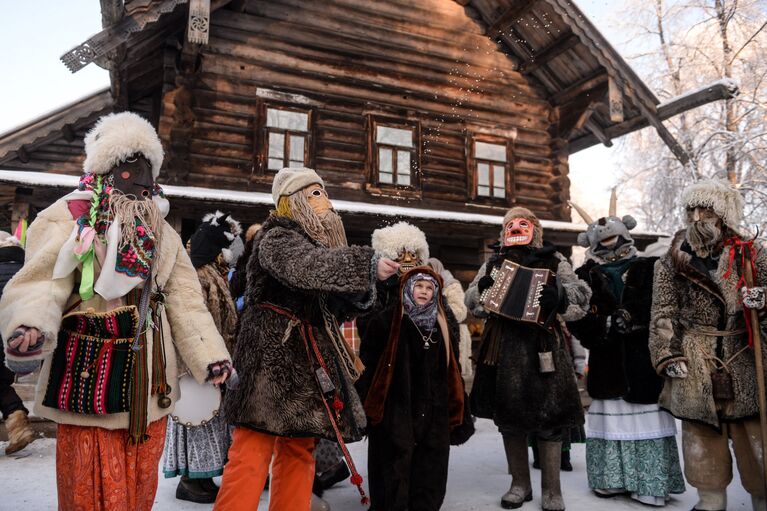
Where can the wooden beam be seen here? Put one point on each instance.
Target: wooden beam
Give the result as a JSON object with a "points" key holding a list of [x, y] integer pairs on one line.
{"points": [[598, 132], [111, 12], [508, 17], [615, 101], [68, 133], [703, 96], [579, 87], [23, 154], [714, 92], [557, 47]]}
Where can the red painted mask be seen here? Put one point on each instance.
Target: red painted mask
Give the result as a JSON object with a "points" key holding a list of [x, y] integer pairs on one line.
{"points": [[518, 232]]}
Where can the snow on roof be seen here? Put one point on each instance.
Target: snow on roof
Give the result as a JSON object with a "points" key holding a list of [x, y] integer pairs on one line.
{"points": [[49, 179]]}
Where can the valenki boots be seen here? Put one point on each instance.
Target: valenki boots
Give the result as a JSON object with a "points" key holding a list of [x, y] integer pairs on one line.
{"points": [[20, 434], [516, 455], [551, 491]]}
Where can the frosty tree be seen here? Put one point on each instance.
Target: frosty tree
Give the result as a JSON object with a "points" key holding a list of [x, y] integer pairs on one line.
{"points": [[686, 45]]}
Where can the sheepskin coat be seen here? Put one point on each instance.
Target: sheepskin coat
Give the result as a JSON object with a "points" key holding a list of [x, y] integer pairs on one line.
{"points": [[278, 392], [512, 391], [215, 290], [32, 298], [690, 303], [619, 363]]}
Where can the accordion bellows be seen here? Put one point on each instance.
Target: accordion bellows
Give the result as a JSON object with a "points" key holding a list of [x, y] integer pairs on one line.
{"points": [[516, 292]]}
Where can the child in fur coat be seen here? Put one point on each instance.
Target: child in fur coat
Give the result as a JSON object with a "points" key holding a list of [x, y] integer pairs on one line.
{"points": [[414, 396]]}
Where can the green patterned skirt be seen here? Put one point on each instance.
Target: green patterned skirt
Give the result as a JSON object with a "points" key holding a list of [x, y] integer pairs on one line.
{"points": [[644, 467]]}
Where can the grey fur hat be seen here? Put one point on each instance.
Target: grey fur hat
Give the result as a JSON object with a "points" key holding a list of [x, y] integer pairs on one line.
{"points": [[291, 179], [118, 136], [719, 195]]}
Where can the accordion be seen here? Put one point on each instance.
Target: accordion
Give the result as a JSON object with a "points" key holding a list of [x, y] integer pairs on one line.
{"points": [[516, 293]]}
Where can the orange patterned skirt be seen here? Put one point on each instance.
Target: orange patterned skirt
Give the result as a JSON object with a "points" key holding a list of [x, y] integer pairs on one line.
{"points": [[98, 470]]}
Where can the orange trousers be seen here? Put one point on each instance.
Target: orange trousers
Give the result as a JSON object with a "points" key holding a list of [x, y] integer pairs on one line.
{"points": [[248, 467], [98, 470]]}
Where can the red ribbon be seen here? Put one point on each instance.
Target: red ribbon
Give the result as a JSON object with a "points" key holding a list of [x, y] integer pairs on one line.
{"points": [[746, 247]]}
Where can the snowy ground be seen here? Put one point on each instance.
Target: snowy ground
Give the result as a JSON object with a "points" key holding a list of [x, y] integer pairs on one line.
{"points": [[477, 480]]}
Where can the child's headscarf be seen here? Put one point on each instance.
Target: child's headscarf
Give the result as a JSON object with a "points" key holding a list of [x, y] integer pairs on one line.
{"points": [[424, 316]]}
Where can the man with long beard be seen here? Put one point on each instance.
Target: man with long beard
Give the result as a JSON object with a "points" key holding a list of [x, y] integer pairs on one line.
{"points": [[700, 344], [105, 299], [296, 370]]}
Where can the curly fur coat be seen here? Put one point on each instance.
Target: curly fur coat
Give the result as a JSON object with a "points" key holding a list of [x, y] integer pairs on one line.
{"points": [[278, 393], [687, 303], [619, 363], [513, 392]]}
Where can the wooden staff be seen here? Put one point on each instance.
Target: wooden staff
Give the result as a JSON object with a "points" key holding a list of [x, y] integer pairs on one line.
{"points": [[753, 318]]}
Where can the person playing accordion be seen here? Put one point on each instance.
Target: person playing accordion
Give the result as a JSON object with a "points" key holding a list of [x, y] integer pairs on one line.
{"points": [[524, 379]]}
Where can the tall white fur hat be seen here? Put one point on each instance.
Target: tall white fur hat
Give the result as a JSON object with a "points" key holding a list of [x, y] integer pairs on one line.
{"points": [[291, 179], [719, 195], [117, 136], [390, 241]]}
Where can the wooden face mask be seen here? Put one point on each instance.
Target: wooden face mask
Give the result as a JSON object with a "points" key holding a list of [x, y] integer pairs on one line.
{"points": [[517, 232], [318, 199], [133, 176], [407, 261]]}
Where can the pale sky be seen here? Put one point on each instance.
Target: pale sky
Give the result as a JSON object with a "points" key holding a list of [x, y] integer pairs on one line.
{"points": [[35, 33]]}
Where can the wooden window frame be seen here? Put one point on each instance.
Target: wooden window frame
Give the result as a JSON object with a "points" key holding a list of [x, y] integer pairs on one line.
{"points": [[374, 185], [261, 145], [473, 174]]}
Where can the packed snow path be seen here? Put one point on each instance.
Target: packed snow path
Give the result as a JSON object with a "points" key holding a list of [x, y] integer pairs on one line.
{"points": [[477, 480]]}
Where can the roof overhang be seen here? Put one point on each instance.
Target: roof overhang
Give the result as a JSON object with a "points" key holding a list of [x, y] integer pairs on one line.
{"points": [[235, 197]]}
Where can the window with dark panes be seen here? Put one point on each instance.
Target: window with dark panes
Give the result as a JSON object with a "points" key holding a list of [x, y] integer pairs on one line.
{"points": [[395, 155], [490, 162], [287, 136]]}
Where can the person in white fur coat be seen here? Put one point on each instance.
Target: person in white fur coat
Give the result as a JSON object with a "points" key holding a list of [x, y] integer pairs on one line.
{"points": [[107, 342], [406, 244]]}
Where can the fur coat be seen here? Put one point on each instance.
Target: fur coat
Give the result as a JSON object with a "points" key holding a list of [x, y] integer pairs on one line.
{"points": [[508, 386], [34, 299], [619, 363], [690, 306], [215, 290], [386, 353], [278, 391]]}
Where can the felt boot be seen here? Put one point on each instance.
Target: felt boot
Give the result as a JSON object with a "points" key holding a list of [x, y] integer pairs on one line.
{"points": [[551, 491], [516, 455], [711, 500], [20, 434]]}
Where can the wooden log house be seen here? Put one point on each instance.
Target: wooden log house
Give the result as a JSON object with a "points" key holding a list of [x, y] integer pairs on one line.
{"points": [[441, 112]]}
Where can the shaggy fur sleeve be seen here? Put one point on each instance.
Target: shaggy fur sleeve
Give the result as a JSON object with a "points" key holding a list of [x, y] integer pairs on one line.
{"points": [[472, 294], [665, 345], [577, 291], [296, 262], [33, 298], [455, 297], [194, 333]]}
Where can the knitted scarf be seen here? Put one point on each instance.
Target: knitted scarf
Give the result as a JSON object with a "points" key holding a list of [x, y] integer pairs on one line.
{"points": [[119, 231], [424, 316]]}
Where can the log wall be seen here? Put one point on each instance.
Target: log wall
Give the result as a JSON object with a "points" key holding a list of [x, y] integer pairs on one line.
{"points": [[352, 62]]}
